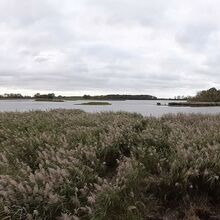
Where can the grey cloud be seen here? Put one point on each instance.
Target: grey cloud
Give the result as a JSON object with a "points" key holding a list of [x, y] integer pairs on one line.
{"points": [[109, 46]]}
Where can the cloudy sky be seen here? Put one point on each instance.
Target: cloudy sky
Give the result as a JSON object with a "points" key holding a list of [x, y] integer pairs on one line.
{"points": [[73, 47]]}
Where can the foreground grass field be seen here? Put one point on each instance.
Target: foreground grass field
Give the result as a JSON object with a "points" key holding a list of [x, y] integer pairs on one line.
{"points": [[68, 164]]}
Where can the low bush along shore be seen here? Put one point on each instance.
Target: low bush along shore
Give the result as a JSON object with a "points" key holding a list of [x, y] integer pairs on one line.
{"points": [[94, 103], [68, 164]]}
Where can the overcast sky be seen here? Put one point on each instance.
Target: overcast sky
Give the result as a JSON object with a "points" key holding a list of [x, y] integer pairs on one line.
{"points": [[163, 48]]}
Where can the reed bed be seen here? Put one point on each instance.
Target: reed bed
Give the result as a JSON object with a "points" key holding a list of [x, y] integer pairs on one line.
{"points": [[68, 164]]}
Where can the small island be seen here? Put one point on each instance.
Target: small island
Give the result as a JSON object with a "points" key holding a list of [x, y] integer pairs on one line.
{"points": [[95, 103]]}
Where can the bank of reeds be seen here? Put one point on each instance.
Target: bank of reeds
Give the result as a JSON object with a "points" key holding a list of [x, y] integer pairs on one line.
{"points": [[68, 164]]}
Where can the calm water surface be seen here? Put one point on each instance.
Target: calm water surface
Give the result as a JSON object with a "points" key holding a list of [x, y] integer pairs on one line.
{"points": [[146, 108]]}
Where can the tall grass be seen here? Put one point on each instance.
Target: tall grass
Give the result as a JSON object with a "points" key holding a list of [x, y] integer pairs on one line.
{"points": [[68, 164]]}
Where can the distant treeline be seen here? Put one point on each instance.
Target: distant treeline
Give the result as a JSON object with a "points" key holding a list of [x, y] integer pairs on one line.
{"points": [[52, 96], [87, 97], [36, 96], [210, 95], [14, 96], [121, 97]]}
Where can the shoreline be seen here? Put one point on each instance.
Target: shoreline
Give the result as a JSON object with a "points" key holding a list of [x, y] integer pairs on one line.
{"points": [[194, 104]]}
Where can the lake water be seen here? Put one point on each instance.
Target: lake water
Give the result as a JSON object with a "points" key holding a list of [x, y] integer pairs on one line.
{"points": [[146, 108]]}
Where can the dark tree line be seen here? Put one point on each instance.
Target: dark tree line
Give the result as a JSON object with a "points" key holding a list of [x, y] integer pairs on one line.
{"points": [[14, 96], [45, 96], [210, 95], [121, 97]]}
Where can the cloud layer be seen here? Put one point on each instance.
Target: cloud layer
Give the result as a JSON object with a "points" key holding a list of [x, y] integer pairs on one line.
{"points": [[164, 48]]}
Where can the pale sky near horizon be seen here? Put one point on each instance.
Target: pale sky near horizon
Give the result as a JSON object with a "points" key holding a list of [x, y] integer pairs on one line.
{"points": [[76, 47]]}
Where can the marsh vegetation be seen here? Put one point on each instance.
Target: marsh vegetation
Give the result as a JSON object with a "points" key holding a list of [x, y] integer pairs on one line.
{"points": [[194, 104], [94, 103], [68, 164]]}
